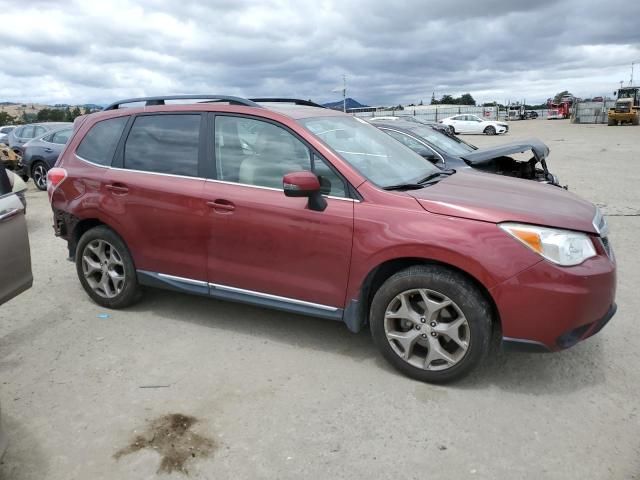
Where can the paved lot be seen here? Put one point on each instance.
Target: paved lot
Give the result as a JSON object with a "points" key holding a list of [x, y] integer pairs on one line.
{"points": [[283, 396]]}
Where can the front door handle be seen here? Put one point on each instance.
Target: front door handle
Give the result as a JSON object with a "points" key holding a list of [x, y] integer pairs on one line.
{"points": [[117, 188], [221, 205], [7, 214], [48, 150]]}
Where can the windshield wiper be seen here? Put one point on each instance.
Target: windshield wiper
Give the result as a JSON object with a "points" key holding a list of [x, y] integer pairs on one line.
{"points": [[404, 186], [436, 175]]}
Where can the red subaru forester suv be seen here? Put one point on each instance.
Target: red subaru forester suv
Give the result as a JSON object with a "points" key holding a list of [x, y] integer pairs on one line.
{"points": [[283, 204]]}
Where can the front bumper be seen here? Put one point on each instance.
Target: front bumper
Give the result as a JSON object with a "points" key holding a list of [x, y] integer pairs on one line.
{"points": [[502, 129], [550, 308]]}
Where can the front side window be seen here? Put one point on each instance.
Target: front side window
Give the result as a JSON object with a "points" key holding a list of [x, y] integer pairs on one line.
{"points": [[164, 144], [99, 144], [451, 145], [372, 152], [254, 152], [60, 137]]}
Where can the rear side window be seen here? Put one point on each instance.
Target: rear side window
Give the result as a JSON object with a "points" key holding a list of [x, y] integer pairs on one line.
{"points": [[39, 131], [26, 132], [99, 144], [164, 144]]}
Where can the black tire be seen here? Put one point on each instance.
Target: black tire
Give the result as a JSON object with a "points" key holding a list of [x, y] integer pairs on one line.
{"points": [[130, 292], [611, 123], [457, 288], [490, 130], [452, 130], [636, 120], [38, 169]]}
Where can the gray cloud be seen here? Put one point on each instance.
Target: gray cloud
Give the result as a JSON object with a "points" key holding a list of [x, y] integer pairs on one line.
{"points": [[392, 52]]}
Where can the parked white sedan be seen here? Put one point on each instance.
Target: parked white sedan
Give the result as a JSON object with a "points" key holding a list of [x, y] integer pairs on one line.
{"points": [[474, 124]]}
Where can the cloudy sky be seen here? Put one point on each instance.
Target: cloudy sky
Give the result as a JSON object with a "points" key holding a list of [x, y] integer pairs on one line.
{"points": [[392, 51]]}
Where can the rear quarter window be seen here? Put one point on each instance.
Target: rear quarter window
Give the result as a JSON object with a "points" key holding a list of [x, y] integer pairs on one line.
{"points": [[100, 142]]}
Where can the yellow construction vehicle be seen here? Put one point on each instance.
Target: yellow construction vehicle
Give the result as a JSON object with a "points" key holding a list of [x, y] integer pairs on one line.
{"points": [[627, 107]]}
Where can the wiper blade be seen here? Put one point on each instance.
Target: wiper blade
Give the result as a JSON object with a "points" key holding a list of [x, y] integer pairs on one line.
{"points": [[436, 175], [404, 186]]}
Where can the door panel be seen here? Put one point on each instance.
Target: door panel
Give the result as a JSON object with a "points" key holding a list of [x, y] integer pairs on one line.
{"points": [[262, 241], [15, 262], [274, 244], [161, 220]]}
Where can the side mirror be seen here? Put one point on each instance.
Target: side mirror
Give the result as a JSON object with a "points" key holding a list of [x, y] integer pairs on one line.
{"points": [[304, 184]]}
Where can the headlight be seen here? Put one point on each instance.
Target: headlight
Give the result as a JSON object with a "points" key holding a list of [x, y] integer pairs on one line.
{"points": [[563, 247]]}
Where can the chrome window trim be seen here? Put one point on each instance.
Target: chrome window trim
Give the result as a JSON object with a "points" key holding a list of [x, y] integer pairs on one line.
{"points": [[90, 162], [275, 189], [421, 142], [190, 281], [175, 175], [269, 296]]}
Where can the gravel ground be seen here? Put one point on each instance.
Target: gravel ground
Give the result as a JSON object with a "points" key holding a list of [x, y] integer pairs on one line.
{"points": [[250, 393]]}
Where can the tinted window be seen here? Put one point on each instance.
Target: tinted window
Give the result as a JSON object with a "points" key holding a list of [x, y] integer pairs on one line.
{"points": [[99, 144], [60, 137], [164, 144], [6, 129], [39, 131], [260, 153]]}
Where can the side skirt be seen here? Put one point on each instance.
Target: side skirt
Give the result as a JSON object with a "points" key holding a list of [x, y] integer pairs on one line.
{"points": [[233, 294]]}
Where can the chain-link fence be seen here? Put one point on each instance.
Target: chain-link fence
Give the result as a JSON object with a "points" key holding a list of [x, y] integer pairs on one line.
{"points": [[591, 112], [435, 113]]}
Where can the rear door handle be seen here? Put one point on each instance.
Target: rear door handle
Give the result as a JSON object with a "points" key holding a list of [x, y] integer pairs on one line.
{"points": [[117, 188], [222, 205], [7, 214]]}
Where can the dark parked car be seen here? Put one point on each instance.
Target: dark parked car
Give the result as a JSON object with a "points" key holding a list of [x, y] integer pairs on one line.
{"points": [[22, 134], [316, 212], [40, 155], [448, 151], [530, 114]]}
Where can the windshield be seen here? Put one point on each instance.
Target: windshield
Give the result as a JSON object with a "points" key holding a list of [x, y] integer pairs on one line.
{"points": [[372, 152], [627, 93], [451, 146]]}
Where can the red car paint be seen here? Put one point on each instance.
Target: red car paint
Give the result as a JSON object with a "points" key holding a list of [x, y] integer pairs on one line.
{"points": [[259, 240]]}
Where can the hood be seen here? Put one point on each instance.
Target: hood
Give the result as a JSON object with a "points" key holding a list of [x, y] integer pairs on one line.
{"points": [[495, 198], [484, 155]]}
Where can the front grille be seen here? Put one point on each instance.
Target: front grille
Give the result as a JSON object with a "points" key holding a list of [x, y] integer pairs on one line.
{"points": [[623, 110]]}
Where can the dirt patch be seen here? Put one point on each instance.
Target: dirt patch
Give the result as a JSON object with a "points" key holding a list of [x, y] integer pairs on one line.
{"points": [[171, 437]]}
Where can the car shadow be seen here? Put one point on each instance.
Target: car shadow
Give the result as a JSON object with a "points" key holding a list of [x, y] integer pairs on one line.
{"points": [[541, 373], [570, 370], [279, 327]]}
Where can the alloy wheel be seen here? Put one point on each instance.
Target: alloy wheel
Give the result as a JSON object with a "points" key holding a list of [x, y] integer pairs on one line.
{"points": [[103, 268], [40, 176], [427, 329]]}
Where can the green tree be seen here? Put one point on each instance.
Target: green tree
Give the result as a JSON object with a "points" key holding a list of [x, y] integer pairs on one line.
{"points": [[43, 115], [87, 110], [6, 119], [466, 99], [447, 100]]}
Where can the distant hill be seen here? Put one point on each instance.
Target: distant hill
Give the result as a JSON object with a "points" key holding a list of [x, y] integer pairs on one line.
{"points": [[351, 103]]}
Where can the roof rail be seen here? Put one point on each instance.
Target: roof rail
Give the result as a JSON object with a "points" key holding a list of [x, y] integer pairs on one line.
{"points": [[295, 101], [150, 101]]}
